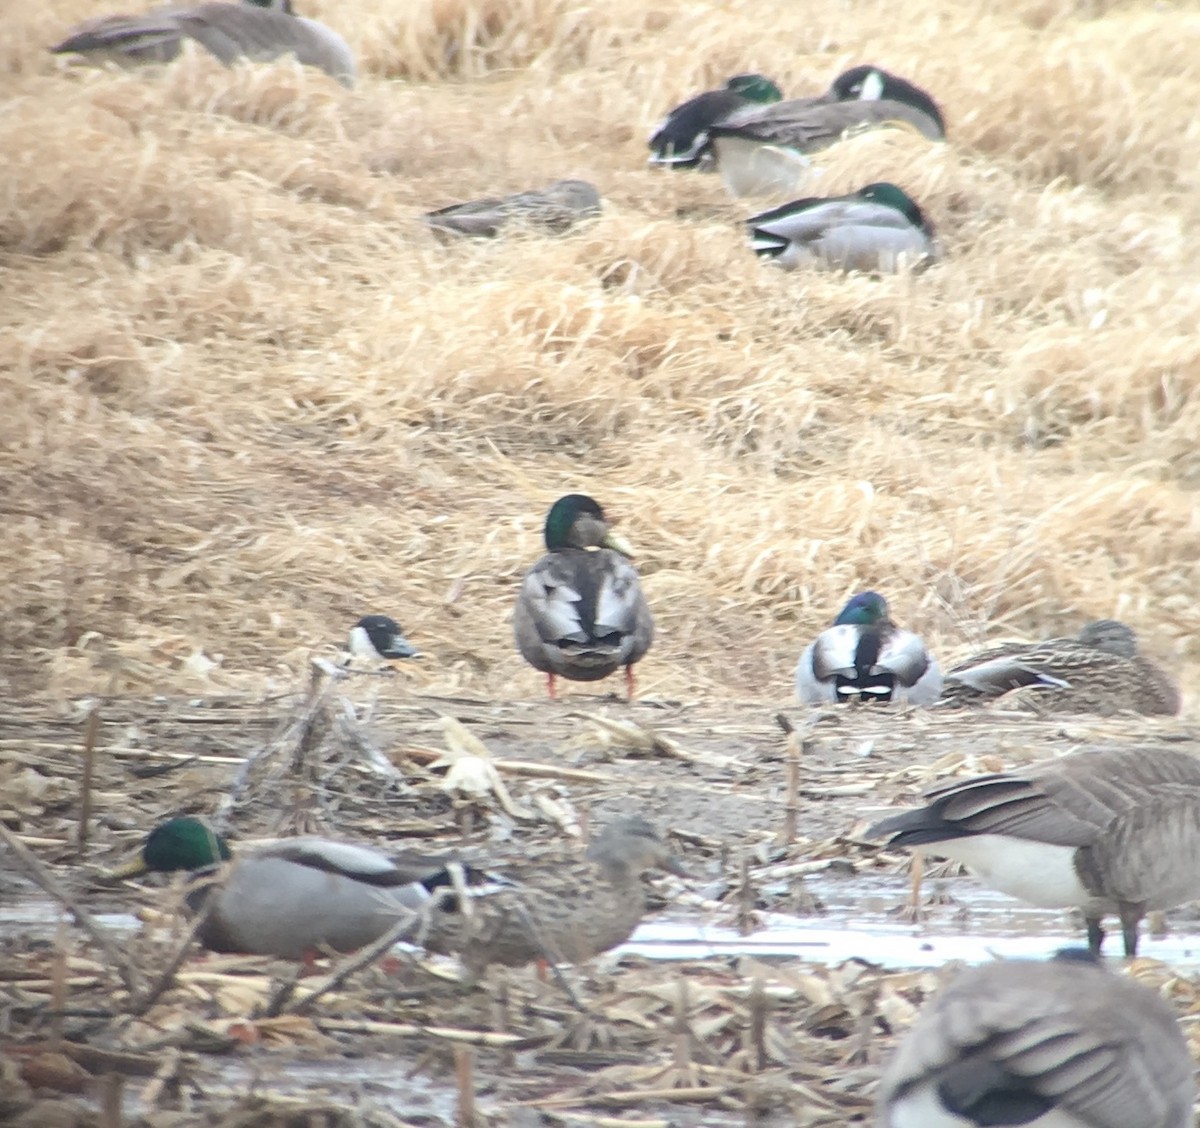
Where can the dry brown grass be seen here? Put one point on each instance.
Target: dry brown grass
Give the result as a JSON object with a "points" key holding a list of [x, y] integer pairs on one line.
{"points": [[248, 398]]}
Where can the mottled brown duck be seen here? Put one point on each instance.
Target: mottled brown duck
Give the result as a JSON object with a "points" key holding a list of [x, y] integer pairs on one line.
{"points": [[1098, 671]]}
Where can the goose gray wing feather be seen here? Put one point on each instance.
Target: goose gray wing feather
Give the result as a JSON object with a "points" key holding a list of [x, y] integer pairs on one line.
{"points": [[1096, 1046]]}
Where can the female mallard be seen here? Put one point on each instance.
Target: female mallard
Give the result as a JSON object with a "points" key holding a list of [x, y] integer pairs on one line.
{"points": [[380, 639], [1109, 830], [258, 30], [680, 140], [878, 229], [1098, 671], [581, 613], [562, 913], [864, 656], [556, 209], [1022, 1042], [764, 149], [292, 898]]}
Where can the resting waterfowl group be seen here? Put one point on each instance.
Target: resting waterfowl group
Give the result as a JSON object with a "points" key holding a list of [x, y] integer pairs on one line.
{"points": [[555, 209], [1098, 671], [581, 613], [878, 229], [864, 656], [293, 898], [1105, 831], [254, 30], [680, 140], [1057, 1043], [565, 913], [765, 149]]}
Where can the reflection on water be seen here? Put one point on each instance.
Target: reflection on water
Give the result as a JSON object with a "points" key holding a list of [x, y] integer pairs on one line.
{"points": [[860, 921]]}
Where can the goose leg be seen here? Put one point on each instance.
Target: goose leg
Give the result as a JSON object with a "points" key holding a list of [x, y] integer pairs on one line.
{"points": [[1131, 914], [1095, 935]]}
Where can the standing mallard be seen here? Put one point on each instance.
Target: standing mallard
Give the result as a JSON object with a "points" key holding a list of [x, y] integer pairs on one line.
{"points": [[564, 913], [680, 140], [581, 613], [878, 229], [1098, 671], [864, 656], [257, 30], [1023, 1042], [555, 209], [764, 149], [292, 898]]}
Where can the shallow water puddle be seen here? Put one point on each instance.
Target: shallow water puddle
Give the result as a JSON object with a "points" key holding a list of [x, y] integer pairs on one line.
{"points": [[860, 921]]}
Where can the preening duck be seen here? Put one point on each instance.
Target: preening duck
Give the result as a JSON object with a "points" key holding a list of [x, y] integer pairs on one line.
{"points": [[680, 140], [864, 656], [764, 149]]}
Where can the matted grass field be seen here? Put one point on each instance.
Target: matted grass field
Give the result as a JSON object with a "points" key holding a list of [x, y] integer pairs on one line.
{"points": [[249, 398]]}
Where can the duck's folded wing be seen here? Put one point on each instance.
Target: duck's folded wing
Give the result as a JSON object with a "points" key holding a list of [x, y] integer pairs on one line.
{"points": [[903, 653], [553, 600], [620, 604]]}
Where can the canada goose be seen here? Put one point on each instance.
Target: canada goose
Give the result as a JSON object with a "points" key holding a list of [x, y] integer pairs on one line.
{"points": [[878, 229], [295, 897], [1059, 1043], [765, 149], [380, 639], [562, 913], [556, 208], [1105, 830], [1098, 671], [581, 613], [864, 656], [680, 140], [257, 30]]}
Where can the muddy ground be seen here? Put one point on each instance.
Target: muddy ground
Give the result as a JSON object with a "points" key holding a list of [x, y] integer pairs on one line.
{"points": [[110, 1037]]}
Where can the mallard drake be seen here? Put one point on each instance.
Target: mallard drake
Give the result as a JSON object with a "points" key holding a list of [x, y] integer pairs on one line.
{"points": [[380, 639], [764, 149], [1098, 671], [878, 229], [556, 209], [680, 140], [295, 897], [565, 913], [1061, 1042], [581, 613], [1108, 830], [864, 656], [257, 30]]}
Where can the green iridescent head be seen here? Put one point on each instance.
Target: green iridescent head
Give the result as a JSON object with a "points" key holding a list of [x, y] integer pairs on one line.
{"points": [[184, 843], [755, 88], [863, 609]]}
